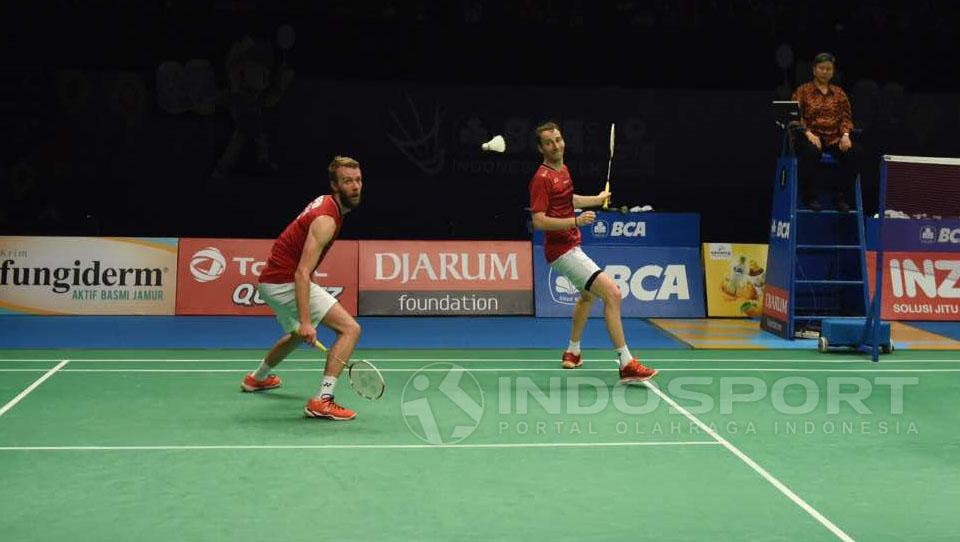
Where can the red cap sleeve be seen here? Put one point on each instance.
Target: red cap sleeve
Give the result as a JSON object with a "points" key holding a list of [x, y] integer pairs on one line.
{"points": [[539, 201]]}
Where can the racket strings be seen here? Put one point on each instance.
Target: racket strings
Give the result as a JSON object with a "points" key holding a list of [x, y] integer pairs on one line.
{"points": [[366, 379], [364, 376]]}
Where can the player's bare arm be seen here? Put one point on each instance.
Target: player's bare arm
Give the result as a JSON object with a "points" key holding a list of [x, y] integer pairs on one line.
{"points": [[586, 202], [321, 232], [548, 223]]}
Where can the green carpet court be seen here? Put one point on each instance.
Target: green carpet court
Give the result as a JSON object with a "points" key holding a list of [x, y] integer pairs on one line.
{"points": [[481, 445]]}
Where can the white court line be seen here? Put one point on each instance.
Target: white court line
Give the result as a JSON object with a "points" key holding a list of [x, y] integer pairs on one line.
{"points": [[756, 467], [13, 402], [513, 370], [611, 359], [355, 446]]}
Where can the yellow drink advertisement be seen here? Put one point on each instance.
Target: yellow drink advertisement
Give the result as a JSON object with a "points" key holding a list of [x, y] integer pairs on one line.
{"points": [[735, 277]]}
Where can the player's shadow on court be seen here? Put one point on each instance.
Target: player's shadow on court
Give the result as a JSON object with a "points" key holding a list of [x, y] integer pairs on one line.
{"points": [[274, 395], [291, 422]]}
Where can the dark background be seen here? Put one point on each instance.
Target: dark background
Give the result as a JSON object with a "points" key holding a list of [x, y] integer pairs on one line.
{"points": [[114, 114]]}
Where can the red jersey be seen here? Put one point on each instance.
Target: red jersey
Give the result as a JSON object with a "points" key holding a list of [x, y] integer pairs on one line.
{"points": [[287, 249], [551, 192]]}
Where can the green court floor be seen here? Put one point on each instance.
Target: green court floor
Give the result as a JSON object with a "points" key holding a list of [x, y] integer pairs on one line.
{"points": [[481, 445]]}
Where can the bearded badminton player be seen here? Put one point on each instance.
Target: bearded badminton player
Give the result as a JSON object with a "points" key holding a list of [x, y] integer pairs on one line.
{"points": [[552, 204], [298, 302]]}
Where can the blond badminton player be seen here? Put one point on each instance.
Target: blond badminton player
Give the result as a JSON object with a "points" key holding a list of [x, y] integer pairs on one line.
{"points": [[300, 304]]}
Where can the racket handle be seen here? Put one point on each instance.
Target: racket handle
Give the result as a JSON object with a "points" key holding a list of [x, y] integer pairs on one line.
{"points": [[323, 348], [606, 201]]}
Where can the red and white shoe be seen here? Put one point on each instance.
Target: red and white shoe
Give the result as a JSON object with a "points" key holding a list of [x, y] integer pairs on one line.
{"points": [[571, 360], [636, 372], [326, 408], [252, 384]]}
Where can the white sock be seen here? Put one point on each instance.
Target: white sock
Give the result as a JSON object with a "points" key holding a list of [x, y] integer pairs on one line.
{"points": [[624, 354], [574, 348], [263, 371], [326, 387]]}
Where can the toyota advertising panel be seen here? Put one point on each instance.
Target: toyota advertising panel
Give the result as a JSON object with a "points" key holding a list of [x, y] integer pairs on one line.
{"points": [[220, 276]]}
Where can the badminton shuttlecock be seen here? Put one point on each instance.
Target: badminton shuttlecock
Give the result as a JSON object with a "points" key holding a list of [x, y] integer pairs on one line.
{"points": [[892, 213], [497, 144]]}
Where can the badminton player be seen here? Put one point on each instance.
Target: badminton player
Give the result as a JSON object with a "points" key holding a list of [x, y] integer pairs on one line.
{"points": [[300, 304], [552, 202]]}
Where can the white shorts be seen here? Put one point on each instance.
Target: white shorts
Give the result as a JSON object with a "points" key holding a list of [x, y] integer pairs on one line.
{"points": [[282, 298], [579, 269]]}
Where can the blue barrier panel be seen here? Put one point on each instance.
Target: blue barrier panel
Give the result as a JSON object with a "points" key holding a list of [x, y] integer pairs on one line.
{"points": [[778, 292], [654, 282], [640, 229], [915, 235]]}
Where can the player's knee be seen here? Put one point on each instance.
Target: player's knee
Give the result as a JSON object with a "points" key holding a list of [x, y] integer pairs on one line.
{"points": [[352, 329], [611, 295]]}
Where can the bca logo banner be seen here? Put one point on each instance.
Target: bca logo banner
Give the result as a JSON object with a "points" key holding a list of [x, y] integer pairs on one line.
{"points": [[780, 229], [648, 283], [653, 281], [600, 228], [619, 229], [949, 235]]}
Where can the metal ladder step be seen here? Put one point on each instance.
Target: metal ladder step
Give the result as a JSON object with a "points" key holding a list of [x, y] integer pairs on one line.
{"points": [[823, 316], [826, 282], [826, 212], [828, 247]]}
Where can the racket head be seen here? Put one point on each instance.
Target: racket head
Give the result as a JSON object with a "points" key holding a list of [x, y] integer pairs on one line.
{"points": [[366, 380], [613, 135]]}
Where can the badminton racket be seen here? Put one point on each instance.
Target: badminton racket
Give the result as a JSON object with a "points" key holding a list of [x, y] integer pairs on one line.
{"points": [[365, 378], [606, 201]]}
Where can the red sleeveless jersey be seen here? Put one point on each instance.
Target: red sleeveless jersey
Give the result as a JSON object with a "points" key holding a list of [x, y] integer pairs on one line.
{"points": [[551, 192], [287, 249]]}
